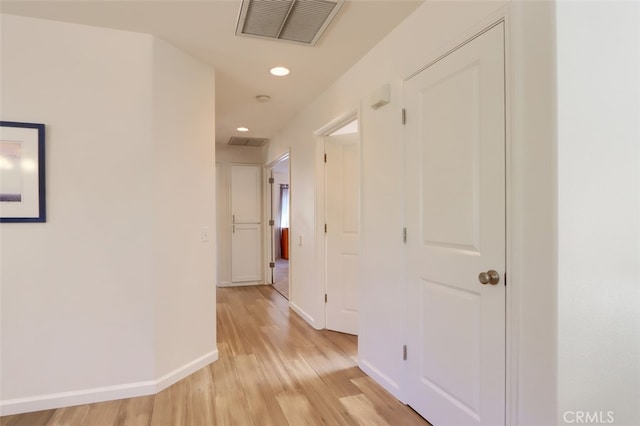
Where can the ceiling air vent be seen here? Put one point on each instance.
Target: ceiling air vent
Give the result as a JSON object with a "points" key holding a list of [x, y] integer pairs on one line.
{"points": [[298, 21], [239, 141]]}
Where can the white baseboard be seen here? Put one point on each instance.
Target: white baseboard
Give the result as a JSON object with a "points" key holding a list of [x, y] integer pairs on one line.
{"points": [[106, 393], [180, 373], [68, 399], [242, 284], [305, 316], [382, 379]]}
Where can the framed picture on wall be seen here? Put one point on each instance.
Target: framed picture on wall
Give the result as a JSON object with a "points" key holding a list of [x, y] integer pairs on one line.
{"points": [[22, 172]]}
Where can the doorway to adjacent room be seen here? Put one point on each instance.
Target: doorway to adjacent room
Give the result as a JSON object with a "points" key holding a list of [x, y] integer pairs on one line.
{"points": [[279, 195]]}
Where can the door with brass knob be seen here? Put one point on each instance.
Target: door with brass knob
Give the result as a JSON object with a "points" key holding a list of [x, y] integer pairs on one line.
{"points": [[490, 277]]}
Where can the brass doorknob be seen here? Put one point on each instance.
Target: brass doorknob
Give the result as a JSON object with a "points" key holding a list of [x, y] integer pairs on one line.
{"points": [[490, 277]]}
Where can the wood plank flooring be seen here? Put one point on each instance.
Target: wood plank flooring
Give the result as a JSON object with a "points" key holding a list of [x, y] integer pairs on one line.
{"points": [[281, 277], [274, 369]]}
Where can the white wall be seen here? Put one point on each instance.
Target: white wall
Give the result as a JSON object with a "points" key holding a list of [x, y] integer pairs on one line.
{"points": [[183, 204], [76, 291], [532, 195], [225, 156], [87, 313], [599, 210], [425, 35], [306, 272]]}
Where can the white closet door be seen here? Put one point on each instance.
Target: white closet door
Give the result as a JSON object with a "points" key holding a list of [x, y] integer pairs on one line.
{"points": [[456, 235], [246, 223], [246, 193]]}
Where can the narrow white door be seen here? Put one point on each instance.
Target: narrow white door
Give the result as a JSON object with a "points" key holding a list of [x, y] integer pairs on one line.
{"points": [[246, 249], [246, 193], [246, 223], [456, 230], [342, 171]]}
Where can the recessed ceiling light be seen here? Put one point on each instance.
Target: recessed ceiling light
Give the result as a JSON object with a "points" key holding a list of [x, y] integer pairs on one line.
{"points": [[242, 129], [279, 71]]}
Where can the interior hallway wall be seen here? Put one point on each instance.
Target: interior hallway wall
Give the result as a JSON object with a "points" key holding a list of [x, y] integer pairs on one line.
{"points": [[90, 300], [183, 209], [599, 211]]}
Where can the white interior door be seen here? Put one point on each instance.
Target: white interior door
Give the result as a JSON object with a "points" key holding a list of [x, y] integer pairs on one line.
{"points": [[246, 252], [246, 223], [456, 230], [246, 193], [342, 171]]}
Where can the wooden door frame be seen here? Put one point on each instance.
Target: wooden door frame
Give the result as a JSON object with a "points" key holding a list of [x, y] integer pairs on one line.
{"points": [[512, 240]]}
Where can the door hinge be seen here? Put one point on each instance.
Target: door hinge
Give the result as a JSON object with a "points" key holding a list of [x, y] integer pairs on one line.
{"points": [[325, 228], [404, 116], [325, 298], [404, 235], [271, 180], [404, 352], [272, 222], [505, 279], [272, 264], [325, 157]]}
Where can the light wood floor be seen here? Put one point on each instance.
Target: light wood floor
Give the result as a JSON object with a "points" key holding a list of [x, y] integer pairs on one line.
{"points": [[274, 369], [281, 277]]}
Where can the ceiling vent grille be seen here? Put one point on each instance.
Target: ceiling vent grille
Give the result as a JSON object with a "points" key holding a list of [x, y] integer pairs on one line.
{"points": [[239, 141], [297, 21]]}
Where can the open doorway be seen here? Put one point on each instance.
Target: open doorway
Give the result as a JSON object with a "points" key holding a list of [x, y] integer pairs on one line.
{"points": [[341, 143], [342, 235], [279, 225]]}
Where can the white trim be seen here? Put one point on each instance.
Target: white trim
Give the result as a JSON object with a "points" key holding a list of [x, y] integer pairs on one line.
{"points": [[242, 283], [512, 325], [285, 156], [105, 393], [68, 399], [180, 373], [305, 316], [337, 123], [319, 235], [382, 379]]}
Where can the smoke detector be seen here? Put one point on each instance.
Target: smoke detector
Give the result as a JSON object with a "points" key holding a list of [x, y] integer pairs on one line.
{"points": [[297, 21]]}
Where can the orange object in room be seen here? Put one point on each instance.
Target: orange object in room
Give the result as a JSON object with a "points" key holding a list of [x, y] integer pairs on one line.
{"points": [[284, 243]]}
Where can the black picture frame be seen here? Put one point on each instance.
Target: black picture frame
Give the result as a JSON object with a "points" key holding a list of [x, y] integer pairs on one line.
{"points": [[22, 172]]}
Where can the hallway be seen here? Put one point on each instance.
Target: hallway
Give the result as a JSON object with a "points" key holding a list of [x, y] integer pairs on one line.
{"points": [[273, 369]]}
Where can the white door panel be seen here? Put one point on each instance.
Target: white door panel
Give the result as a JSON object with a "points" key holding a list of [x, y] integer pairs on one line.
{"points": [[343, 232], [246, 223], [456, 223], [246, 250], [246, 193]]}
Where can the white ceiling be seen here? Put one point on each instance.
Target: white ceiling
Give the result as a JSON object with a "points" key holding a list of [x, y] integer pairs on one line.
{"points": [[206, 29]]}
